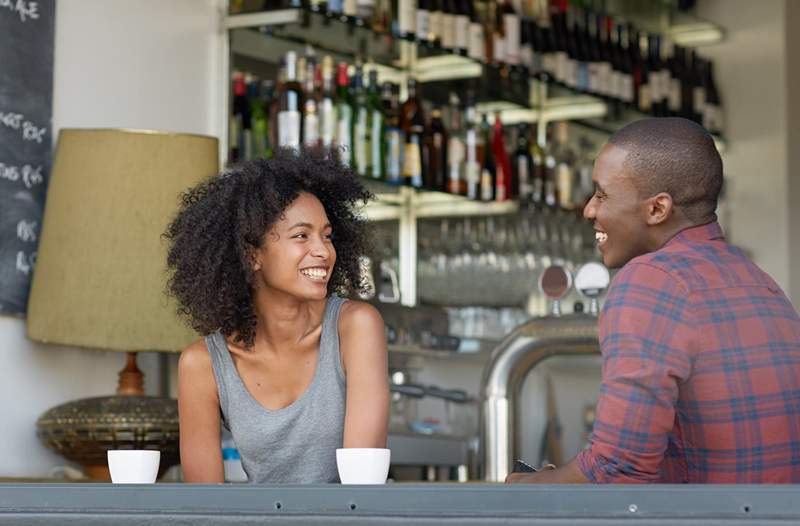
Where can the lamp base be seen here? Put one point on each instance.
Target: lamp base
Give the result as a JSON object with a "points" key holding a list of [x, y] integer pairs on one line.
{"points": [[84, 430]]}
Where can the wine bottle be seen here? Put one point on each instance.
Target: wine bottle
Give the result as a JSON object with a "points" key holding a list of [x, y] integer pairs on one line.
{"points": [[394, 138], [436, 140], [344, 116], [503, 174], [377, 129], [412, 122], [290, 95]]}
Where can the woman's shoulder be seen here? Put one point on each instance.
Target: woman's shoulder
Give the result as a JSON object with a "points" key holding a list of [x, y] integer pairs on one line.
{"points": [[358, 315], [195, 358]]}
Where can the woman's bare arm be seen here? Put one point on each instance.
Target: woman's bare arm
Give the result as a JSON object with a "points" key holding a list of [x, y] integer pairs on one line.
{"points": [[198, 408], [362, 341]]}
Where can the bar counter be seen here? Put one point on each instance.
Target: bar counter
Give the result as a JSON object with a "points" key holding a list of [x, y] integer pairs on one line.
{"points": [[395, 504]]}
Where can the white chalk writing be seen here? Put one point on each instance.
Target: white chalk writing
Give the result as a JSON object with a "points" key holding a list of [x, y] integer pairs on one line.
{"points": [[25, 262], [30, 175], [24, 8], [17, 121], [26, 231]]}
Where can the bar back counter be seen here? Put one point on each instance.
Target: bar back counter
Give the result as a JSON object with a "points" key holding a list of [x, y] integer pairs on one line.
{"points": [[395, 504]]}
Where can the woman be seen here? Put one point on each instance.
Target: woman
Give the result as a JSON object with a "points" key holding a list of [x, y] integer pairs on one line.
{"points": [[294, 370]]}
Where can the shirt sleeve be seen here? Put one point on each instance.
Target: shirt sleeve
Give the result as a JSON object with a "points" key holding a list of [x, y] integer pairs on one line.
{"points": [[645, 336]]}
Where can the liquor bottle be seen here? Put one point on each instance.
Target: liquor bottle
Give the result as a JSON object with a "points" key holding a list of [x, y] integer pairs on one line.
{"points": [[496, 39], [584, 56], [344, 116], [252, 85], [558, 30], [698, 88], [503, 175], [712, 112], [571, 46], [476, 48], [435, 144], [260, 116], [511, 33], [393, 135], [412, 122], [488, 169], [527, 53], [407, 18], [377, 129], [456, 150], [654, 77], [448, 37], [523, 165], [236, 124], [290, 95], [538, 172], [549, 174], [360, 129], [584, 186], [671, 78], [565, 165], [311, 88], [605, 71], [461, 25], [436, 27], [627, 87], [641, 53], [473, 142], [327, 106], [423, 20]]}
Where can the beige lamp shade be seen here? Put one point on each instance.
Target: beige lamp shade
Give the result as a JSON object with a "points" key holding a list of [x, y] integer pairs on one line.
{"points": [[101, 267]]}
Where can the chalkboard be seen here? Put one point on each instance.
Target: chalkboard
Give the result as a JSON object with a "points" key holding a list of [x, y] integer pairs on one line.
{"points": [[26, 112]]}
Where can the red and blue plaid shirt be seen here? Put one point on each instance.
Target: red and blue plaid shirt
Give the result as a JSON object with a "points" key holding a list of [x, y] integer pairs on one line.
{"points": [[701, 370]]}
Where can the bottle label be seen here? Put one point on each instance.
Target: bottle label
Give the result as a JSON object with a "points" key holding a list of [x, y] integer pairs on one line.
{"points": [[423, 23], [436, 26], [644, 97], [455, 160], [698, 99], [594, 77], [675, 101], [500, 184], [394, 155], [310, 130], [406, 17], [462, 32], [499, 48], [343, 139], [486, 185], [412, 162], [350, 7], [376, 142], [564, 179], [512, 31], [654, 83], [604, 78], [572, 73], [524, 177], [562, 66], [328, 122], [627, 87], [360, 138], [476, 48], [289, 129], [448, 31]]}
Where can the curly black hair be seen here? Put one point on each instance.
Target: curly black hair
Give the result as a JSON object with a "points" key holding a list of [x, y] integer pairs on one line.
{"points": [[223, 219]]}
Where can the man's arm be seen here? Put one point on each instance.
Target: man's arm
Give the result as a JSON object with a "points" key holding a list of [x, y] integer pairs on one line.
{"points": [[645, 337]]}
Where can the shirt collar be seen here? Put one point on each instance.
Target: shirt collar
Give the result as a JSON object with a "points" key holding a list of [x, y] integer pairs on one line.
{"points": [[708, 232]]}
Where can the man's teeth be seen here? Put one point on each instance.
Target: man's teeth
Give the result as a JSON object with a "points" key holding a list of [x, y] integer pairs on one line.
{"points": [[315, 273], [601, 237]]}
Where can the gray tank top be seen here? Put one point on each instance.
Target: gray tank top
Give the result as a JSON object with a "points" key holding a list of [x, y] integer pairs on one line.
{"points": [[296, 444]]}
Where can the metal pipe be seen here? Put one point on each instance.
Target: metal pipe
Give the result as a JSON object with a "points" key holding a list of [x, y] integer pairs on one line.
{"points": [[508, 366]]}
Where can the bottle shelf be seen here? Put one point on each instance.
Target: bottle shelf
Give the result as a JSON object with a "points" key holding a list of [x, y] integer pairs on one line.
{"points": [[272, 33]]}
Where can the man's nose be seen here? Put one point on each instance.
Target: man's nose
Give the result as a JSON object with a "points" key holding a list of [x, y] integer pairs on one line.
{"points": [[590, 211]]}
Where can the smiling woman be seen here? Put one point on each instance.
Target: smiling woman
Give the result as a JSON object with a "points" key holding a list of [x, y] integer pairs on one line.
{"points": [[259, 258]]}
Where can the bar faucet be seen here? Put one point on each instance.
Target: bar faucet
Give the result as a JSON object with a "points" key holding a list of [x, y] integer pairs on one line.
{"points": [[526, 347]]}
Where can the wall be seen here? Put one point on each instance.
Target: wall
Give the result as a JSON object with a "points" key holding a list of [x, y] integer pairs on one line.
{"points": [[750, 65], [146, 64], [792, 20]]}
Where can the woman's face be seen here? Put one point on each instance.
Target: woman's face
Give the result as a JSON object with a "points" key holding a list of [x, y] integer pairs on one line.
{"points": [[297, 256]]}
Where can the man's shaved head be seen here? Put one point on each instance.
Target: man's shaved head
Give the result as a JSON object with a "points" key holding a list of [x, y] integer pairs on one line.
{"points": [[675, 156]]}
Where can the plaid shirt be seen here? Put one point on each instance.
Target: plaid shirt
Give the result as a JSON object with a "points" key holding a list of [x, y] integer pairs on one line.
{"points": [[701, 370]]}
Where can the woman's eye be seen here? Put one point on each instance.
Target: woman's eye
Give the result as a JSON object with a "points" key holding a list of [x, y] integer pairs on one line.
{"points": [[299, 236]]}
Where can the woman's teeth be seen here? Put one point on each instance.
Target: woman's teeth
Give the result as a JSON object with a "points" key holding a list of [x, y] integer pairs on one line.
{"points": [[601, 237], [315, 273]]}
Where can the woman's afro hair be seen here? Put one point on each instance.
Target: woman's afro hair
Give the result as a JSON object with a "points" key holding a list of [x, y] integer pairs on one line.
{"points": [[223, 219]]}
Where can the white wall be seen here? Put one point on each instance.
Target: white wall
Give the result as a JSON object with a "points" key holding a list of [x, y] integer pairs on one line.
{"points": [[750, 65], [147, 64]]}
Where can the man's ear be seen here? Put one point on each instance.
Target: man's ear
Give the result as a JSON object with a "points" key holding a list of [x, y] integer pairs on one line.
{"points": [[659, 209]]}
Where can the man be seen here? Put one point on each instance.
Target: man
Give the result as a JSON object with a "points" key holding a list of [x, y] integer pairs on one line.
{"points": [[701, 349]]}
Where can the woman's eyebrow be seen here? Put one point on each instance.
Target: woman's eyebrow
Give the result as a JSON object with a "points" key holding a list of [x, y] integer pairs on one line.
{"points": [[308, 225]]}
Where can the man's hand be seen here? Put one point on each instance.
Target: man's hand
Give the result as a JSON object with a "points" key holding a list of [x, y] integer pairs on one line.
{"points": [[570, 473]]}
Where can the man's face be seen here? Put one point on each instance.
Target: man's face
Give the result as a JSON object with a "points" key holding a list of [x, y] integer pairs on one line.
{"points": [[617, 210]]}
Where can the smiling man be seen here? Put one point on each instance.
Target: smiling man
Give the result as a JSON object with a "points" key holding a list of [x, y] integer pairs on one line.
{"points": [[701, 348]]}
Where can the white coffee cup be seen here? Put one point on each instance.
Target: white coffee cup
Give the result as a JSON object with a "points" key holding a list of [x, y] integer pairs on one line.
{"points": [[363, 465], [133, 466]]}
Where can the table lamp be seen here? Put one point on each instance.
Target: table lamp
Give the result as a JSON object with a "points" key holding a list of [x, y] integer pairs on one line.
{"points": [[100, 280]]}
